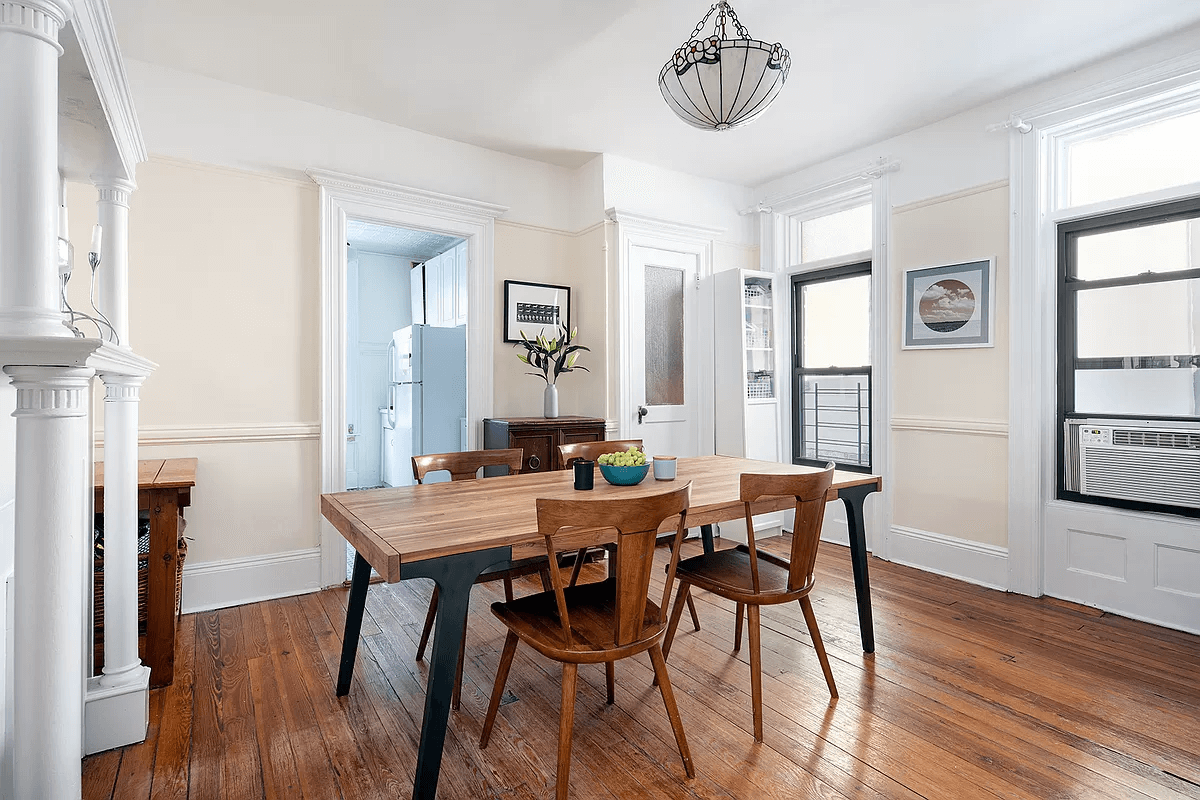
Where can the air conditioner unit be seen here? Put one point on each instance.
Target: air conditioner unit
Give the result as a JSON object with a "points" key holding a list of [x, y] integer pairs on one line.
{"points": [[1148, 465]]}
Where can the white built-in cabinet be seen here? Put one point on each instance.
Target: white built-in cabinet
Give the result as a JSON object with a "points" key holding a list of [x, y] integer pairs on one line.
{"points": [[446, 288], [747, 386], [748, 328]]}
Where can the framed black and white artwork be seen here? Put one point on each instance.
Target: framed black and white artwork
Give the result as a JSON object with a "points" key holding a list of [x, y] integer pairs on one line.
{"points": [[534, 309], [949, 306]]}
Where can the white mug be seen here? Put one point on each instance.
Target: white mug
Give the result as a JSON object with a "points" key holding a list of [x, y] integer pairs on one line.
{"points": [[664, 468]]}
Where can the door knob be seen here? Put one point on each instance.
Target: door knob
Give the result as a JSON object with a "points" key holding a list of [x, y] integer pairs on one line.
{"points": [[642, 411]]}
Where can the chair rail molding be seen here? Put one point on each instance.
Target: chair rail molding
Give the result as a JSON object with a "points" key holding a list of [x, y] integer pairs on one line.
{"points": [[343, 196], [968, 427]]}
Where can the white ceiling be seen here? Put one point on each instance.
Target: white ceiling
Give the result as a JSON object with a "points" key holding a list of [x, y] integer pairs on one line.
{"points": [[562, 80], [388, 240]]}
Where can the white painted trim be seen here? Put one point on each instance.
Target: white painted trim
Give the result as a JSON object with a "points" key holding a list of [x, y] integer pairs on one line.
{"points": [[636, 230], [236, 581], [1156, 79], [114, 716], [97, 37], [162, 436], [343, 196], [946, 198], [392, 195], [974, 562], [1035, 190], [826, 195], [968, 427], [657, 226], [849, 190]]}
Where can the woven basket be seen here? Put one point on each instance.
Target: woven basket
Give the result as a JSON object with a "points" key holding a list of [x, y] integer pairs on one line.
{"points": [[143, 584]]}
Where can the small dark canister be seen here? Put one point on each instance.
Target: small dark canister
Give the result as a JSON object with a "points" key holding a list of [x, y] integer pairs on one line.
{"points": [[585, 474]]}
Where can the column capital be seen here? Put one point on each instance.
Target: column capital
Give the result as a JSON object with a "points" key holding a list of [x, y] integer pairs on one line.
{"points": [[113, 190], [121, 388], [51, 391], [41, 19]]}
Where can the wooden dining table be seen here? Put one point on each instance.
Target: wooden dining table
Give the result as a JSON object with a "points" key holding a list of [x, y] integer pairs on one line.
{"points": [[452, 532]]}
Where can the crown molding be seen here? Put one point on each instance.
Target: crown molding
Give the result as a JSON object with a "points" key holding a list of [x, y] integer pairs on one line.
{"points": [[97, 37], [662, 226], [403, 197]]}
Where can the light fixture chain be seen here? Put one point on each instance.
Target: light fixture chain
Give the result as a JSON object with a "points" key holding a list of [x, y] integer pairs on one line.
{"points": [[700, 25]]}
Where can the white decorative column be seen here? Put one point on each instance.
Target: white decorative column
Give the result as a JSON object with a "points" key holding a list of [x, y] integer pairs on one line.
{"points": [[113, 207], [53, 458], [29, 52], [121, 663]]}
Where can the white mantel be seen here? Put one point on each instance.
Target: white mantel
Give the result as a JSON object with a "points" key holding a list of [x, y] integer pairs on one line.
{"points": [[66, 113]]}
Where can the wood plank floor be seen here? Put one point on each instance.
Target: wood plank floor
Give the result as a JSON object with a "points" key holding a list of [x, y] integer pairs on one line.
{"points": [[972, 693]]}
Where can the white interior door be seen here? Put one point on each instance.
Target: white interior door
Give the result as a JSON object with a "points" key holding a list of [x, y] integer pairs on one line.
{"points": [[665, 350]]}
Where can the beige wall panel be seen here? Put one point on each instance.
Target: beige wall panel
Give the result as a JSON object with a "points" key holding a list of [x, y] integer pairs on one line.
{"points": [[967, 383], [542, 256], [224, 296], [250, 499], [734, 256], [952, 484]]}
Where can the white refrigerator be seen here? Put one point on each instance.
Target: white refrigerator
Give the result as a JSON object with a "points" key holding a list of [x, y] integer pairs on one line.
{"points": [[428, 398]]}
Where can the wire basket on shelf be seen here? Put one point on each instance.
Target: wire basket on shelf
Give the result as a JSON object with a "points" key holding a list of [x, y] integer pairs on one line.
{"points": [[760, 386]]}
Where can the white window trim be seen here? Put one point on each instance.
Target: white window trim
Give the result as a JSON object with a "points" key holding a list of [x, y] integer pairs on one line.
{"points": [[780, 255], [1037, 197]]}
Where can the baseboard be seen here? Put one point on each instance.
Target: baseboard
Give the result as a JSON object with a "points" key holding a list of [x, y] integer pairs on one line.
{"points": [[983, 564], [237, 581], [116, 716]]}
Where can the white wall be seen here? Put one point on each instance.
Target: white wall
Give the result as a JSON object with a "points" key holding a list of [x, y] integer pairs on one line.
{"points": [[950, 203], [381, 304], [638, 188], [195, 118]]}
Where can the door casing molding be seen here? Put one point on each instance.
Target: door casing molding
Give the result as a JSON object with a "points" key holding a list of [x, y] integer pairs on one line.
{"points": [[343, 196], [637, 230]]}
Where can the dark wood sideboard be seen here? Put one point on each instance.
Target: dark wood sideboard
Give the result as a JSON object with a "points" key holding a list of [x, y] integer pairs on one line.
{"points": [[540, 437]]}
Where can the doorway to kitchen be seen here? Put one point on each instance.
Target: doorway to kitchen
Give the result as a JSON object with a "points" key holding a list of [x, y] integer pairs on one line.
{"points": [[343, 200]]}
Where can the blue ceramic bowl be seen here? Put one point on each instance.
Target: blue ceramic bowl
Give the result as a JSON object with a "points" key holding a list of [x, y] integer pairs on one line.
{"points": [[624, 476]]}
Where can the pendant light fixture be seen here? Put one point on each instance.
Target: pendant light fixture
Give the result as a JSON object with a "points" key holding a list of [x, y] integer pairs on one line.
{"points": [[718, 82]]}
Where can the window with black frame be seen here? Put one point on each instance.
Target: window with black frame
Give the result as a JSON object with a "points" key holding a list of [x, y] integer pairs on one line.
{"points": [[831, 357], [1129, 358]]}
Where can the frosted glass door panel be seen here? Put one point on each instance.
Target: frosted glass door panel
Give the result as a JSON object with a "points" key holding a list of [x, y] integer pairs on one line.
{"points": [[664, 337]]}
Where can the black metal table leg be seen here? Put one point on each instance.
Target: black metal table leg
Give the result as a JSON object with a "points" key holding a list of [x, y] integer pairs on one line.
{"points": [[359, 582], [454, 575], [706, 536], [853, 497]]}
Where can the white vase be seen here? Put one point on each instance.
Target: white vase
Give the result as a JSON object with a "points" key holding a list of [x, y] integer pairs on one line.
{"points": [[550, 401]]}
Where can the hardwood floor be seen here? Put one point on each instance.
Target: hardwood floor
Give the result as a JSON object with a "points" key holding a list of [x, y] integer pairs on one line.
{"points": [[972, 693]]}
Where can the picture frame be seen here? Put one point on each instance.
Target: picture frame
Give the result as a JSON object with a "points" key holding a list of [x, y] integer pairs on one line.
{"points": [[952, 305], [534, 308]]}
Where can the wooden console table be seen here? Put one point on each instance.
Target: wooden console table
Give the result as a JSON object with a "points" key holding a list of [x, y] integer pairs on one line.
{"points": [[164, 489], [540, 437]]}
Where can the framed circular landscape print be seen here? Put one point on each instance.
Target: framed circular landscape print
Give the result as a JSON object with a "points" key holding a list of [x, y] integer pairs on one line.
{"points": [[949, 306]]}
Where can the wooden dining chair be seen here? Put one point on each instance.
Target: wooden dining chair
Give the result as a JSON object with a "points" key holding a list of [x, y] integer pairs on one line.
{"points": [[465, 466], [568, 454], [595, 623], [752, 578]]}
